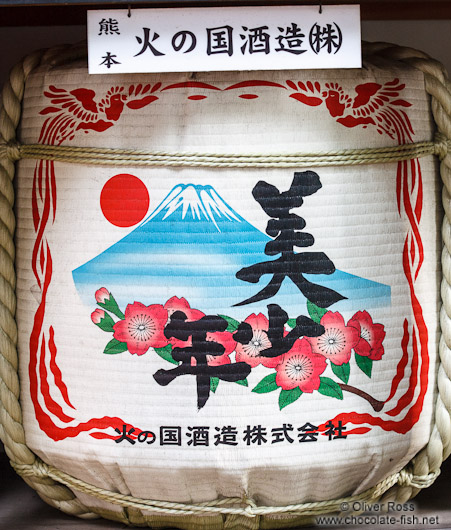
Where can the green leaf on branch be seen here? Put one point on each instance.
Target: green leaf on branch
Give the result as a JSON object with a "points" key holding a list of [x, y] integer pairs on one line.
{"points": [[242, 382], [166, 354], [115, 346], [267, 384], [341, 371], [328, 387], [316, 313], [286, 397], [364, 363], [232, 323], [214, 382]]}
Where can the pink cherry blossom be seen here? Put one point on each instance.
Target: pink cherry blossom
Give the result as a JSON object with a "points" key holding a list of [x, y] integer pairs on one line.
{"points": [[226, 339], [102, 295], [250, 352], [97, 316], [181, 304], [371, 336], [337, 340], [142, 327], [300, 367]]}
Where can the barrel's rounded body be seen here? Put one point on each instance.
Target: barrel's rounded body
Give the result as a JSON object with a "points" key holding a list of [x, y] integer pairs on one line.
{"points": [[230, 290]]}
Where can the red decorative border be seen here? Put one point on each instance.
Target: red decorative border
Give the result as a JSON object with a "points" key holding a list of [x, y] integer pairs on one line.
{"points": [[373, 105]]}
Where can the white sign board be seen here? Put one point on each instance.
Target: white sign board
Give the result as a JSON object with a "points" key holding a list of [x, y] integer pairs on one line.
{"points": [[226, 38]]}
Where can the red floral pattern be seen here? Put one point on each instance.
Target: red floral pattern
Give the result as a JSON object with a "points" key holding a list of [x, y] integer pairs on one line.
{"points": [[97, 316], [371, 336], [250, 352], [300, 367], [337, 341], [225, 338], [181, 304], [142, 327], [102, 295]]}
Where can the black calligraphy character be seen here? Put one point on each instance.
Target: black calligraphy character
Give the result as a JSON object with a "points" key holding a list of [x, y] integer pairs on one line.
{"points": [[125, 435], [194, 359], [109, 60], [108, 27], [257, 40], [244, 333], [226, 435], [280, 434], [219, 40], [285, 228], [199, 436], [335, 431], [308, 433], [292, 41], [282, 342], [327, 37], [179, 39], [170, 435], [146, 43], [255, 435]]}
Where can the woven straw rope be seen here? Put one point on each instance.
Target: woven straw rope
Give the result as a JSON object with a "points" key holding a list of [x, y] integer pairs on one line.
{"points": [[128, 157], [55, 486]]}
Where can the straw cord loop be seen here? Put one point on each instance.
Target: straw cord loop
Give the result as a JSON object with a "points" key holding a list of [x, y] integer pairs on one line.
{"points": [[406, 478], [442, 145], [10, 151]]}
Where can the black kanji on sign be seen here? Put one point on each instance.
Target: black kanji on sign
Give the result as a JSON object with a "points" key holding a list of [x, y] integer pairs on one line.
{"points": [[328, 38], [199, 436], [146, 42], [219, 40], [280, 434], [109, 59], [286, 229], [290, 40], [108, 27], [194, 359], [170, 435], [226, 435], [281, 341], [335, 431], [256, 40], [125, 435], [308, 433], [255, 435]]}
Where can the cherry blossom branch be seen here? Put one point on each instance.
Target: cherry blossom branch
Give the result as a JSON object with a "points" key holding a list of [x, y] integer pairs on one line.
{"points": [[375, 403]]}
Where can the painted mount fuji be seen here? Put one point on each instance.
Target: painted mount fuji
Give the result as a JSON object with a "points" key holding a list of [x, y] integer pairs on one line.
{"points": [[192, 245]]}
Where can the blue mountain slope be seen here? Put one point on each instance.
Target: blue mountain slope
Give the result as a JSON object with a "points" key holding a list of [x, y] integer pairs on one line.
{"points": [[191, 246]]}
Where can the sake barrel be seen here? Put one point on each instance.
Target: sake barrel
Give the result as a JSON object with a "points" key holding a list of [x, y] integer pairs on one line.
{"points": [[227, 288]]}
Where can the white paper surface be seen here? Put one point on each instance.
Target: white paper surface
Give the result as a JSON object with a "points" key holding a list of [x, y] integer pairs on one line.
{"points": [[223, 39]]}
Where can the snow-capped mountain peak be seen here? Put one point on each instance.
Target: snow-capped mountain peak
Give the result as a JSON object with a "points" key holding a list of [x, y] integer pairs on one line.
{"points": [[194, 202]]}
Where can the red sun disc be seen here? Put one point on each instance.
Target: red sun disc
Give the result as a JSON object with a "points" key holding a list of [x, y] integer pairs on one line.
{"points": [[124, 200]]}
